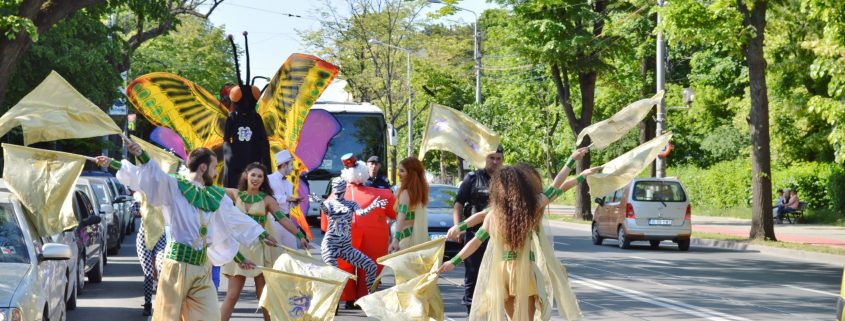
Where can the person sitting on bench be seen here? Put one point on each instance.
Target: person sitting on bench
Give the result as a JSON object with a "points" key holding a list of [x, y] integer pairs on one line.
{"points": [[791, 205]]}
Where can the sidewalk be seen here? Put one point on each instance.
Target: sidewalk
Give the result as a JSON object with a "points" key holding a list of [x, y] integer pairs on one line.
{"points": [[794, 233]]}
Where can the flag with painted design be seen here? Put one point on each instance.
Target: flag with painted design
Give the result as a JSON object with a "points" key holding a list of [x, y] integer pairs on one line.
{"points": [[451, 130], [289, 296]]}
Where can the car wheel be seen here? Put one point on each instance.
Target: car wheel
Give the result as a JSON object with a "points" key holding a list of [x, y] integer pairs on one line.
{"points": [[683, 245], [597, 239], [624, 243], [655, 244], [80, 274], [113, 251], [96, 273]]}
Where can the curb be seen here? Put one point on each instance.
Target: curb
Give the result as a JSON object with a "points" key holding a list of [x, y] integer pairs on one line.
{"points": [[832, 259]]}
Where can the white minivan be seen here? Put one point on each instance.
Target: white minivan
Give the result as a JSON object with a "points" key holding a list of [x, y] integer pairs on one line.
{"points": [[647, 209]]}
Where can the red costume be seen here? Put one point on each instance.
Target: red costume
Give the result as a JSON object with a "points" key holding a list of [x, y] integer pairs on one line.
{"points": [[376, 229]]}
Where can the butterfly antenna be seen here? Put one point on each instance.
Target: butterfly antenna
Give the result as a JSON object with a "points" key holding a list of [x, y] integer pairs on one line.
{"points": [[246, 46], [235, 53]]}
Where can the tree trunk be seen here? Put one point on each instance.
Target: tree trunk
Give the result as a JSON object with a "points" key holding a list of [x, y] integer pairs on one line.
{"points": [[461, 171], [587, 84], [393, 162], [647, 126], [758, 120], [442, 168]]}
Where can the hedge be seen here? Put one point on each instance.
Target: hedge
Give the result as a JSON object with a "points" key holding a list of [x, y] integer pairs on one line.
{"points": [[728, 184]]}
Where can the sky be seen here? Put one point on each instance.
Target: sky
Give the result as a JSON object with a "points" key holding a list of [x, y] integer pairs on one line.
{"points": [[272, 33]]}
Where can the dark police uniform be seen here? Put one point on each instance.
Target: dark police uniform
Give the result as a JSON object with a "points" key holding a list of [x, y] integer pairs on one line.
{"points": [[378, 182], [474, 194]]}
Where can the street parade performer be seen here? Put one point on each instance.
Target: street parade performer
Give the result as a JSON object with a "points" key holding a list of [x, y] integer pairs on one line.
{"points": [[283, 194], [254, 198], [411, 220], [337, 242], [205, 226], [519, 248], [370, 233]]}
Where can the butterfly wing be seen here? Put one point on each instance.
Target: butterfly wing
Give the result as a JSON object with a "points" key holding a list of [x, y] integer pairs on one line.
{"points": [[289, 96], [174, 102], [169, 139]]}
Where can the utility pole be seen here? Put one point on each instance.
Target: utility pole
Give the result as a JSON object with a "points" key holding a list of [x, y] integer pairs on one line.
{"points": [[661, 80], [410, 110]]}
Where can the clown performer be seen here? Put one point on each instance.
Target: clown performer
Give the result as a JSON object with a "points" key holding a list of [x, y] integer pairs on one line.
{"points": [[411, 221], [519, 274], [373, 227], [205, 226], [337, 242], [253, 198], [283, 193]]}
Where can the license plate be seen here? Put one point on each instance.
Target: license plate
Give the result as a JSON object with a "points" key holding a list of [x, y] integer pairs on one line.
{"points": [[659, 222], [436, 236]]}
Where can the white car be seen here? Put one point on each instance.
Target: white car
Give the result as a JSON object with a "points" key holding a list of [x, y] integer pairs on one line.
{"points": [[647, 209], [32, 269]]}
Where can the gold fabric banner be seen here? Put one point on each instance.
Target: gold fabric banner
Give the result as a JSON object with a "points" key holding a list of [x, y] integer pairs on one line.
{"points": [[152, 216], [451, 130], [607, 131], [289, 296], [621, 170], [55, 110], [43, 181]]}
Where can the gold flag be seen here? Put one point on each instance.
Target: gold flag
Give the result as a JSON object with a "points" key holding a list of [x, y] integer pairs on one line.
{"points": [[415, 295], [451, 130], [607, 131], [621, 170], [289, 296], [418, 299], [152, 216], [298, 262], [55, 110], [43, 181], [166, 160], [415, 261]]}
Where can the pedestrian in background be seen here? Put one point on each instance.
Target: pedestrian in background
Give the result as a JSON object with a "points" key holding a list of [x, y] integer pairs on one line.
{"points": [[376, 179]]}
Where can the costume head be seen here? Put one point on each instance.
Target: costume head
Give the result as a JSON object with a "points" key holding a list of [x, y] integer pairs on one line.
{"points": [[284, 162], [338, 187], [357, 175], [244, 96]]}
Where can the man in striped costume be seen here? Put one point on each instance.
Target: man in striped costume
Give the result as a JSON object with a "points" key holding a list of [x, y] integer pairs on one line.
{"points": [[205, 226]]}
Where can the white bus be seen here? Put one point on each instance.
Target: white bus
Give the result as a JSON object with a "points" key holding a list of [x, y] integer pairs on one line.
{"points": [[363, 132]]}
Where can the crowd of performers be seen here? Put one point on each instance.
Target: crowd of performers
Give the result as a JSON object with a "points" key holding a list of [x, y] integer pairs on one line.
{"points": [[509, 262]]}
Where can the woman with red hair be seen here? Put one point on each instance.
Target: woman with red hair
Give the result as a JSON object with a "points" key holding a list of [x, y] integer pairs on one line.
{"points": [[411, 222]]}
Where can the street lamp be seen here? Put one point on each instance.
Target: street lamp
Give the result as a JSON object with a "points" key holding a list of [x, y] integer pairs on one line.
{"points": [[476, 49], [410, 94]]}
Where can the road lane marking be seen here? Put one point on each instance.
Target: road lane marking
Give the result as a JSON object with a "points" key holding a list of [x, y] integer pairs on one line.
{"points": [[651, 260], [811, 290], [562, 243], [701, 312]]}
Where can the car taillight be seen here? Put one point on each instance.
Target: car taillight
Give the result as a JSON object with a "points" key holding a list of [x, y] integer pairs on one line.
{"points": [[629, 211], [688, 215]]}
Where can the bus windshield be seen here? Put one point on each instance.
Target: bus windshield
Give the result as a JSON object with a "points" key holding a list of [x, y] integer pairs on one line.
{"points": [[362, 134]]}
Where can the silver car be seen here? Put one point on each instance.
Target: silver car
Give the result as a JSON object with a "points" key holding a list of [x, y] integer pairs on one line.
{"points": [[30, 268]]}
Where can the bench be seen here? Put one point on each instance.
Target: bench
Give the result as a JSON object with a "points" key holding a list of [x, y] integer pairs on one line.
{"points": [[794, 217]]}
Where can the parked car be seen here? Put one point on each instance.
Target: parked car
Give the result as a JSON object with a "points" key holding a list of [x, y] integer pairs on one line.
{"points": [[31, 267], [119, 196], [91, 239], [111, 222], [441, 201], [647, 209]]}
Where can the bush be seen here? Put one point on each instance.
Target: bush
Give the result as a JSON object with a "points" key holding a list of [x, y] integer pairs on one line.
{"points": [[728, 184]]}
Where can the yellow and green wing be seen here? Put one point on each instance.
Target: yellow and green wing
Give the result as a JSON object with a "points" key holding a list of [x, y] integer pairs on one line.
{"points": [[174, 102]]}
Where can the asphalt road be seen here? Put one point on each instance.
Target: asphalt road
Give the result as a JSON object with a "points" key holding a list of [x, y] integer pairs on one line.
{"points": [[611, 284]]}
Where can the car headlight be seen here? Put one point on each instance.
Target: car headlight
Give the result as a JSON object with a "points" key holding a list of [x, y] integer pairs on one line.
{"points": [[11, 314]]}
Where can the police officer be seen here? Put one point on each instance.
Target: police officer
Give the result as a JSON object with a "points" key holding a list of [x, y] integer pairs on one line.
{"points": [[376, 179], [472, 198]]}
